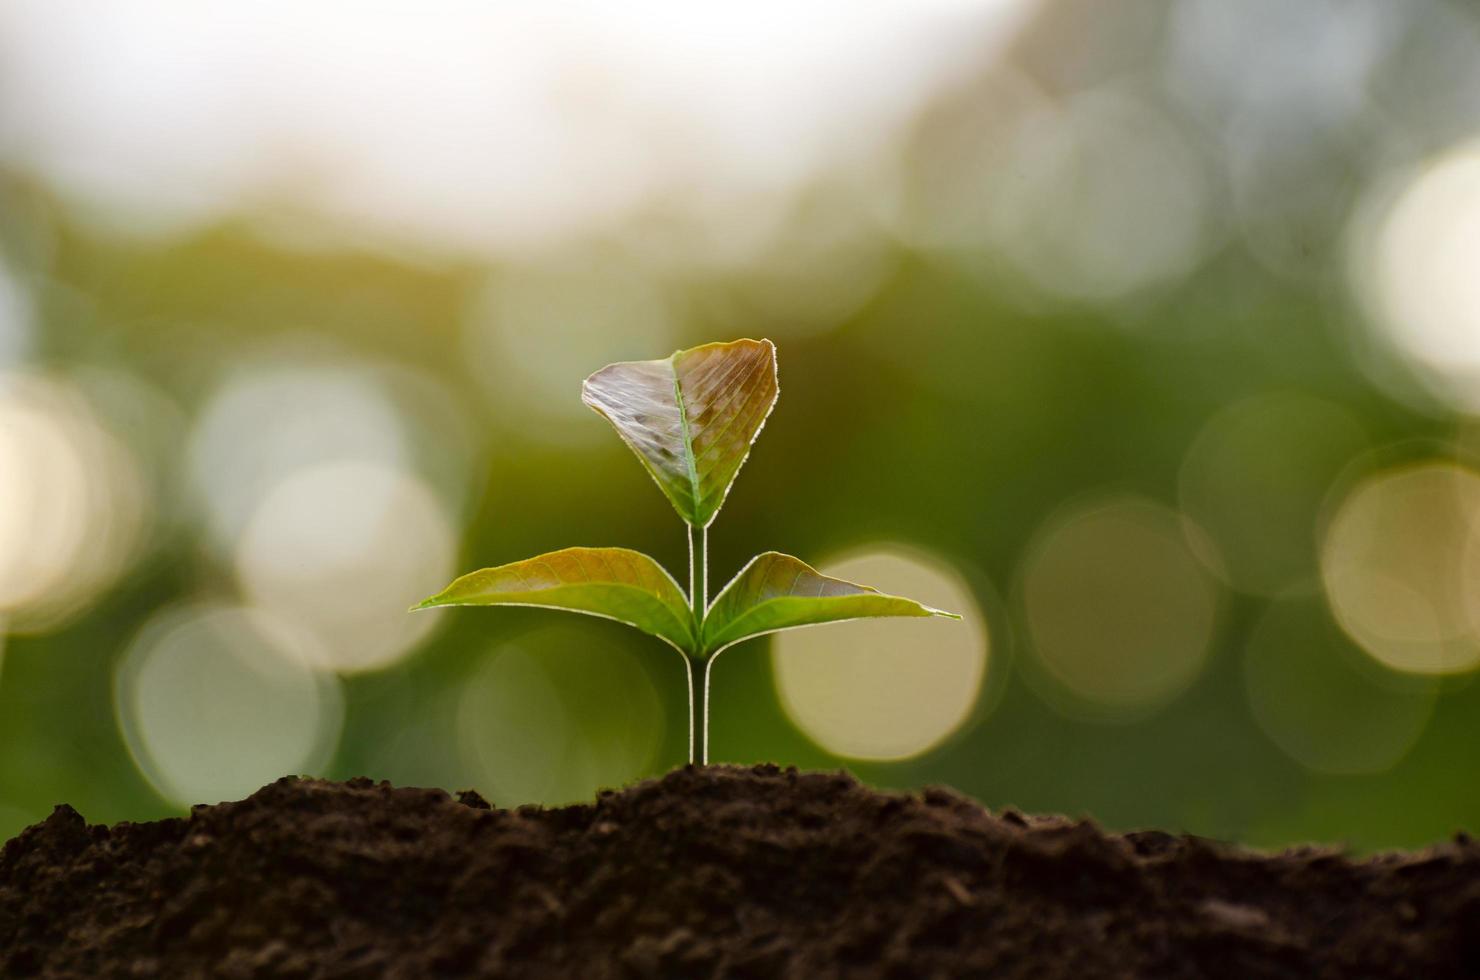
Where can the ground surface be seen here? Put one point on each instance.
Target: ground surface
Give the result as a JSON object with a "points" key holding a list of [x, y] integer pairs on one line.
{"points": [[713, 872]]}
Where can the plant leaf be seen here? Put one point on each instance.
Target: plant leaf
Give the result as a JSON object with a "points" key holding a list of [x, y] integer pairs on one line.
{"points": [[691, 417], [778, 592], [615, 583]]}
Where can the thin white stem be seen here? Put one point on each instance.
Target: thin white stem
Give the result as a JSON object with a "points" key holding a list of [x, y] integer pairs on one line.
{"points": [[698, 701], [703, 611], [704, 713], [692, 564], [704, 560], [699, 711], [688, 674]]}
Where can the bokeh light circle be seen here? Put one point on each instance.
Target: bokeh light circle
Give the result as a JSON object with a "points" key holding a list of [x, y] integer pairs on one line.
{"points": [[267, 422], [214, 701], [1393, 562], [1414, 267], [1119, 612], [1110, 199], [558, 713], [343, 549], [891, 688], [1255, 479], [1311, 695], [73, 507]]}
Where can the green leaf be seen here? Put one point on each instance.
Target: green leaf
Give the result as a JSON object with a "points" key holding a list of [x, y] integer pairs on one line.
{"points": [[615, 583], [778, 592], [691, 417]]}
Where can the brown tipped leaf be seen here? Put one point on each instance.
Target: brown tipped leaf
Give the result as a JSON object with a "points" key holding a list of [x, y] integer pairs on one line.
{"points": [[691, 417], [778, 592], [614, 583]]}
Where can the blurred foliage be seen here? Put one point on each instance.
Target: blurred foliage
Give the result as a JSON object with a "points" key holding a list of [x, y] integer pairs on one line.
{"points": [[958, 408]]}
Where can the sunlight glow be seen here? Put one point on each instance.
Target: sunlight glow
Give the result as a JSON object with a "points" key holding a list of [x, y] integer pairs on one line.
{"points": [[471, 126], [1400, 561], [1115, 202], [215, 701], [73, 506], [265, 423], [342, 549], [1417, 275], [890, 688]]}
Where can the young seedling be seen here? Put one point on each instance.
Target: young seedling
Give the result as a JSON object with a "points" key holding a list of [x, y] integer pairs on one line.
{"points": [[691, 419]]}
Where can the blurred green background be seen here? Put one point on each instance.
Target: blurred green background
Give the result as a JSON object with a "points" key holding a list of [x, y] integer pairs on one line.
{"points": [[1147, 335]]}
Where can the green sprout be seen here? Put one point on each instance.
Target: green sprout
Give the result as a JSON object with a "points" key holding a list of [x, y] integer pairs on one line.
{"points": [[691, 419]]}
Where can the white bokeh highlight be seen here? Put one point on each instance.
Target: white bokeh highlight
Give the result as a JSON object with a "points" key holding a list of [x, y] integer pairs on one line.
{"points": [[1093, 199], [342, 549], [214, 701], [266, 422], [73, 506], [1414, 260], [886, 689], [1399, 563]]}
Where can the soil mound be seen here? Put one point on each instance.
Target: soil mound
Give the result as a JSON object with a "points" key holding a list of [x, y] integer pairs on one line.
{"points": [[716, 872]]}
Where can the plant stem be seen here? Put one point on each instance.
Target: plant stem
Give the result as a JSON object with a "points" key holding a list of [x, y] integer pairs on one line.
{"points": [[698, 575], [689, 676], [698, 710], [698, 673], [694, 605]]}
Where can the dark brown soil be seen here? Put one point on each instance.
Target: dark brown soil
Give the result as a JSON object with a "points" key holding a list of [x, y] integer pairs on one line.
{"points": [[706, 872]]}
